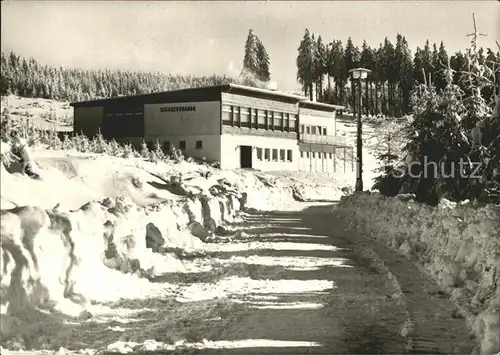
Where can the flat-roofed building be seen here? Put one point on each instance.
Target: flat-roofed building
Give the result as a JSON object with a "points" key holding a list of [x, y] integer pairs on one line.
{"points": [[238, 126]]}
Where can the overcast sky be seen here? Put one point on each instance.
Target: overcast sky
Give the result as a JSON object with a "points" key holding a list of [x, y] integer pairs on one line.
{"points": [[202, 38]]}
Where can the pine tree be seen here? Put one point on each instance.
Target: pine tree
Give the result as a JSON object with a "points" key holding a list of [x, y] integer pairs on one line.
{"points": [[250, 61], [405, 73], [263, 62], [320, 61], [335, 66], [367, 61], [305, 63], [389, 75], [351, 61]]}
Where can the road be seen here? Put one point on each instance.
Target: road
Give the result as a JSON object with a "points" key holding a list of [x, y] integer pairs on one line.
{"points": [[366, 312], [289, 283]]}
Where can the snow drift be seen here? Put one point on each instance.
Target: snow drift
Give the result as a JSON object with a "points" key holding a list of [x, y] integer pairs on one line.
{"points": [[457, 244], [63, 258]]}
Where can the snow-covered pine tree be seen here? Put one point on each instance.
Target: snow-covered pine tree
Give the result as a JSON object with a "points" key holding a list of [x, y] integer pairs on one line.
{"points": [[250, 60], [263, 62], [305, 63]]}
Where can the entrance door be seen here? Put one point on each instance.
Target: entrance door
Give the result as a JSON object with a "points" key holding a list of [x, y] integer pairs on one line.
{"points": [[246, 156]]}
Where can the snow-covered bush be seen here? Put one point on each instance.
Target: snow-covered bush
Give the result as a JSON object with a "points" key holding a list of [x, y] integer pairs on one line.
{"points": [[176, 155], [455, 131]]}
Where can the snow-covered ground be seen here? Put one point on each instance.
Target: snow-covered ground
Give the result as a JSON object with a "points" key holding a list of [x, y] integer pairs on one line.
{"points": [[106, 253], [40, 113], [457, 244]]}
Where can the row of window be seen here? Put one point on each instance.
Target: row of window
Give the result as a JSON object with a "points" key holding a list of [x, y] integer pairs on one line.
{"points": [[312, 129], [325, 155], [182, 145], [238, 116], [268, 154]]}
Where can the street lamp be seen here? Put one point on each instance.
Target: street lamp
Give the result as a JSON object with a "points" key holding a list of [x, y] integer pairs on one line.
{"points": [[358, 75]]}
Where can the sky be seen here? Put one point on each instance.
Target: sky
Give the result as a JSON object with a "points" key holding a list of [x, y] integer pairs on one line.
{"points": [[204, 37]]}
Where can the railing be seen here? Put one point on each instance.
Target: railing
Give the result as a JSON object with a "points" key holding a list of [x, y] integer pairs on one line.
{"points": [[320, 139]]}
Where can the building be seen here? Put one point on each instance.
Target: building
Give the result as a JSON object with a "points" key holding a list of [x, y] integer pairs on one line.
{"points": [[238, 126]]}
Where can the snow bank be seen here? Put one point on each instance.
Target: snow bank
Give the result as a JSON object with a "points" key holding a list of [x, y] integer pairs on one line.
{"points": [[457, 244], [101, 252]]}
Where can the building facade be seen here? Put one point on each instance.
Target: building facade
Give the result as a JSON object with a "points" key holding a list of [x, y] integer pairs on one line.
{"points": [[238, 126]]}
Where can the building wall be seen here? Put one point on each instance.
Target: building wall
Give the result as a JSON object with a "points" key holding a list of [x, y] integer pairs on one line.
{"points": [[187, 122], [182, 119], [265, 104], [230, 146], [88, 120], [318, 118]]}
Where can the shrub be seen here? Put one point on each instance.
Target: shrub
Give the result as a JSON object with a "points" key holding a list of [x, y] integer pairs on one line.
{"points": [[176, 155]]}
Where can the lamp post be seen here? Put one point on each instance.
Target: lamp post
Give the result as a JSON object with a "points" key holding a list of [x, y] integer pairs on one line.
{"points": [[357, 75]]}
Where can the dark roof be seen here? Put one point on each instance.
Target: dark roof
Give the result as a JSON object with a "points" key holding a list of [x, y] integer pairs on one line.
{"points": [[209, 93], [320, 106]]}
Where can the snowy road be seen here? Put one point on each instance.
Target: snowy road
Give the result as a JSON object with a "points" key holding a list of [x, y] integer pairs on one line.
{"points": [[290, 283]]}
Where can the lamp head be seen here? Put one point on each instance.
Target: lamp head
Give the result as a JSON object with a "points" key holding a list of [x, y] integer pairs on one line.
{"points": [[359, 73]]}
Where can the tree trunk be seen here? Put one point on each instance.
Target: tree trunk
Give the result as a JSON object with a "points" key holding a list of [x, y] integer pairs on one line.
{"points": [[389, 99], [336, 91], [384, 100]]}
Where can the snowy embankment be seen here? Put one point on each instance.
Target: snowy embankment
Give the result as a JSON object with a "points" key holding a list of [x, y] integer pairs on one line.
{"points": [[97, 229], [457, 244]]}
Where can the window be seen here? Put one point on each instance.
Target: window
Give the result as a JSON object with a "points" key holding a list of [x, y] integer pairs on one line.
{"points": [[267, 154], [245, 117], [261, 119], [324, 155], [331, 155], [150, 145], [308, 129], [267, 118], [259, 153], [237, 111], [307, 154], [293, 123], [289, 155], [182, 145], [314, 154], [166, 146], [199, 145], [301, 128], [275, 154], [231, 116], [278, 121], [282, 154], [226, 115], [313, 129], [271, 119], [256, 119], [319, 131], [301, 154], [324, 131]]}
